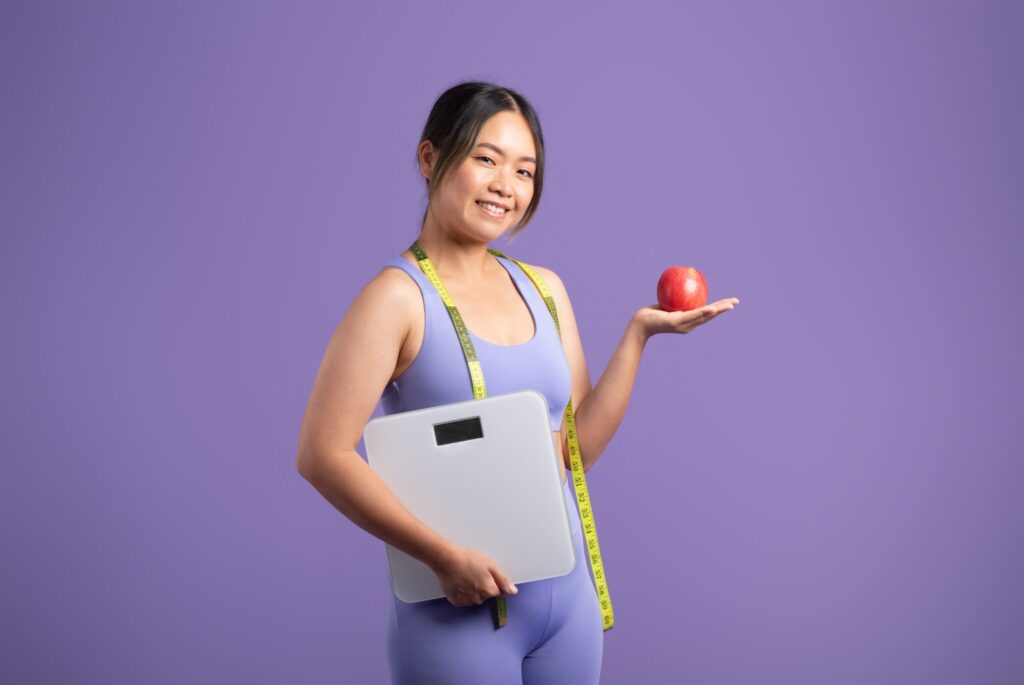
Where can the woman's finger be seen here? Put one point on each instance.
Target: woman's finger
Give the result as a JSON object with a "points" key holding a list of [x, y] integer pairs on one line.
{"points": [[701, 316]]}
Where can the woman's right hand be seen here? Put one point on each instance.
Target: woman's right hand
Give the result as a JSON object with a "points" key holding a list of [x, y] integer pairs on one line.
{"points": [[468, 576]]}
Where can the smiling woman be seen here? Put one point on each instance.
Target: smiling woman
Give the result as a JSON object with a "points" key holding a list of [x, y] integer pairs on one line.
{"points": [[481, 155], [455, 130], [499, 186], [410, 341]]}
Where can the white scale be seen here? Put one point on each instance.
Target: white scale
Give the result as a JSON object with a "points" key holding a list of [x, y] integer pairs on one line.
{"points": [[483, 473]]}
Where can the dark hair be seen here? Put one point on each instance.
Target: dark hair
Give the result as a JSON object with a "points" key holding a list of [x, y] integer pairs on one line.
{"points": [[455, 122]]}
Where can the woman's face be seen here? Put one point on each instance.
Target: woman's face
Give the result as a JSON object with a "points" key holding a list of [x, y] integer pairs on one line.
{"points": [[498, 173]]}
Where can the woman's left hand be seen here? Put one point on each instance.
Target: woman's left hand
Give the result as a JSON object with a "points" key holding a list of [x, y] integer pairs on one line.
{"points": [[653, 319]]}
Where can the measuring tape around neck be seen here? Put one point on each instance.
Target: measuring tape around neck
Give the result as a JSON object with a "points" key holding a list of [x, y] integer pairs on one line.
{"points": [[480, 391]]}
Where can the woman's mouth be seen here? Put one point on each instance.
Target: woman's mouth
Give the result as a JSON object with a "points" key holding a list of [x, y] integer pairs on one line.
{"points": [[492, 210]]}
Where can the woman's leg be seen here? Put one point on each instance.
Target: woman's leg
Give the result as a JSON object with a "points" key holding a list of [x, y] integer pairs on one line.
{"points": [[436, 643], [572, 647]]}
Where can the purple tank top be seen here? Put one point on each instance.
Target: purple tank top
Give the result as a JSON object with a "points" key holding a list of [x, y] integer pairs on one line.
{"points": [[439, 374]]}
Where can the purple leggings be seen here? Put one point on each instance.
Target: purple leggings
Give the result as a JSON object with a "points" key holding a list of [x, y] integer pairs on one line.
{"points": [[554, 633]]}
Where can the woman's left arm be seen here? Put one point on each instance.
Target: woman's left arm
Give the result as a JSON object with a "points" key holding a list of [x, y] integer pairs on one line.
{"points": [[599, 411]]}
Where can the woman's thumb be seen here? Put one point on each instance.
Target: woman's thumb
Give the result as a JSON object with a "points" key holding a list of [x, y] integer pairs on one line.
{"points": [[503, 582]]}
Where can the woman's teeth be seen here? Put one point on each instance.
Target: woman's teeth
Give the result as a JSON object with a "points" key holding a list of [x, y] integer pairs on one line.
{"points": [[492, 209]]}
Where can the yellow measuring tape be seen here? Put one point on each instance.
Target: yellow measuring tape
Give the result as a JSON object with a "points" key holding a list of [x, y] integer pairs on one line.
{"points": [[480, 391]]}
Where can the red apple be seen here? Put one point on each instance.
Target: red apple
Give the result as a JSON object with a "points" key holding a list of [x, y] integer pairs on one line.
{"points": [[682, 288]]}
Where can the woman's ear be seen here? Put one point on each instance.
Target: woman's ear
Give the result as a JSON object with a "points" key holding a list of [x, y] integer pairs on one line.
{"points": [[428, 157]]}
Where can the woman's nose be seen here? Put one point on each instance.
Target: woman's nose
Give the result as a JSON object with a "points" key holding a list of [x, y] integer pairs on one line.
{"points": [[502, 182]]}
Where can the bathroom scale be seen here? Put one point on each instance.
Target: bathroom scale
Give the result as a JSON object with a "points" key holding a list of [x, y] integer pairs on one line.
{"points": [[482, 473]]}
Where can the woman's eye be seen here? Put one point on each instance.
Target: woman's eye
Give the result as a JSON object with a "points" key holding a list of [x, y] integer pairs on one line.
{"points": [[529, 174]]}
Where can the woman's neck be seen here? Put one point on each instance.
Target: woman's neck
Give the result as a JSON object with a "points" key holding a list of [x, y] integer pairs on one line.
{"points": [[466, 262]]}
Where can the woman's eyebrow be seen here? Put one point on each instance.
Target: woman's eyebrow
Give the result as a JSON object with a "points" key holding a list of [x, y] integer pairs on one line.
{"points": [[500, 152]]}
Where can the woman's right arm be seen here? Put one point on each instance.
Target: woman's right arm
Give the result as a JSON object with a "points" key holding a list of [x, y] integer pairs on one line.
{"points": [[358, 364], [360, 359]]}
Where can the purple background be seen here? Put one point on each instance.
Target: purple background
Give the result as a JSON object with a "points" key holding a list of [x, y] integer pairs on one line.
{"points": [[818, 487]]}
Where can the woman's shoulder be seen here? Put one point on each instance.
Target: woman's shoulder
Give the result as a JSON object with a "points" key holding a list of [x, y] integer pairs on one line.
{"points": [[544, 272], [392, 287], [550, 278]]}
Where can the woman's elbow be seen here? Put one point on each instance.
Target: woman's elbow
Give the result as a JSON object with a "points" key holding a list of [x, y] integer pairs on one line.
{"points": [[305, 464]]}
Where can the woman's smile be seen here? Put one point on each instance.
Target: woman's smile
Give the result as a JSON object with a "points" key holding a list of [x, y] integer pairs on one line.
{"points": [[491, 209]]}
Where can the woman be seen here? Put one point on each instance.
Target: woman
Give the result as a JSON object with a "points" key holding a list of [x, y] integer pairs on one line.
{"points": [[482, 156]]}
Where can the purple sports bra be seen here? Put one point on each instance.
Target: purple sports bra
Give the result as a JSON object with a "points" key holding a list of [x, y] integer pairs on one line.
{"points": [[439, 374]]}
